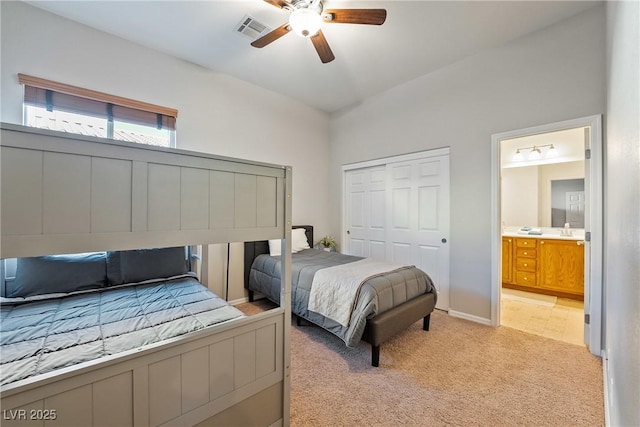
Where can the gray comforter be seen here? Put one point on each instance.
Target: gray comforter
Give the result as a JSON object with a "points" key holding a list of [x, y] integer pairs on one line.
{"points": [[376, 295], [41, 336]]}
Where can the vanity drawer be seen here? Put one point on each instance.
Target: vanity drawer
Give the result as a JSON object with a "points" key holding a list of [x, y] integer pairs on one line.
{"points": [[526, 243], [525, 278], [526, 264], [526, 253]]}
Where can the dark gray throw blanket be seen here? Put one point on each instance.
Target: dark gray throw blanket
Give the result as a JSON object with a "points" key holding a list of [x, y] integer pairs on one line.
{"points": [[377, 295], [41, 336]]}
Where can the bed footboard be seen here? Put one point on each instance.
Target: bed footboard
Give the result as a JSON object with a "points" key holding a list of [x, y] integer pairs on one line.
{"points": [[182, 382]]}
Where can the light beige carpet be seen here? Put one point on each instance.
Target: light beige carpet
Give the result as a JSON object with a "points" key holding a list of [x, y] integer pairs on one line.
{"points": [[459, 373]]}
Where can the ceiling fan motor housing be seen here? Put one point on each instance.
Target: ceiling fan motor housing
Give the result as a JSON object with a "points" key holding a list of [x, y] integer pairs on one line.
{"points": [[305, 19]]}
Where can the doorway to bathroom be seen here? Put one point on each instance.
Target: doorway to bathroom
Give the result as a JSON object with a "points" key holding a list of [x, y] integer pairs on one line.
{"points": [[547, 211]]}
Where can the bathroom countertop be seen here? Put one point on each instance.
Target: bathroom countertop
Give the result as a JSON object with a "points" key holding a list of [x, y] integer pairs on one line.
{"points": [[542, 236]]}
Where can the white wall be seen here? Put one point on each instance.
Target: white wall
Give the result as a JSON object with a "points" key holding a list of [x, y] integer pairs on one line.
{"points": [[520, 196], [217, 113], [552, 75], [622, 213]]}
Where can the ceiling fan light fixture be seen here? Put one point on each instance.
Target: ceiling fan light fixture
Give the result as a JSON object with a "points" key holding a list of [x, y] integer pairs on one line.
{"points": [[305, 22]]}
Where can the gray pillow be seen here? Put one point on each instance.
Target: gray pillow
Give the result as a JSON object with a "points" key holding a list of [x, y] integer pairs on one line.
{"points": [[145, 264], [58, 274]]}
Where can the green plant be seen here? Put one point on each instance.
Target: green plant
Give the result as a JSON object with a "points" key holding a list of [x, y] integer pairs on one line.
{"points": [[328, 242]]}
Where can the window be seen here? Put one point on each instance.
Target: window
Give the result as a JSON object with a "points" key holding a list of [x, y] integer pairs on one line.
{"points": [[61, 107]]}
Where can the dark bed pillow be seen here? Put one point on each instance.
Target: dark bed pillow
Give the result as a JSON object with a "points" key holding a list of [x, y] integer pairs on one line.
{"points": [[58, 274], [145, 264]]}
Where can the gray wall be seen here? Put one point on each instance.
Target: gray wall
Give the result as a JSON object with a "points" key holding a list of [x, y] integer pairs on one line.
{"points": [[552, 75], [622, 213]]}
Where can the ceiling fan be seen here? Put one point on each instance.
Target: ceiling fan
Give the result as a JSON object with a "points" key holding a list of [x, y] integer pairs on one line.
{"points": [[306, 17]]}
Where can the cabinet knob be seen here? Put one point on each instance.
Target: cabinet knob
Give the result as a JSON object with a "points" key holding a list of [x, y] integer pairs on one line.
{"points": [[579, 243], [525, 253], [526, 278], [526, 265]]}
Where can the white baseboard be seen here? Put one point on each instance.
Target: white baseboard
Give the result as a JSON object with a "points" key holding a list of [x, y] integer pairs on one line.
{"points": [[607, 391], [239, 301], [471, 317]]}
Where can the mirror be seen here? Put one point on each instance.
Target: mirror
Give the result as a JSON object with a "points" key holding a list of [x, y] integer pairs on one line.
{"points": [[543, 187]]}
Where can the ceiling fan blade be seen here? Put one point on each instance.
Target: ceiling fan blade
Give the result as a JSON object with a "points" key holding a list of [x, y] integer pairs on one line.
{"points": [[280, 4], [322, 47], [271, 36], [355, 16]]}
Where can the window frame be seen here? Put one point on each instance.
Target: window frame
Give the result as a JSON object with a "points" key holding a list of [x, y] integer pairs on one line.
{"points": [[126, 108]]}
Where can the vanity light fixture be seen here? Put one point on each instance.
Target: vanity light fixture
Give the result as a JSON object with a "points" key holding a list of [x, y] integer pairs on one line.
{"points": [[535, 153]]}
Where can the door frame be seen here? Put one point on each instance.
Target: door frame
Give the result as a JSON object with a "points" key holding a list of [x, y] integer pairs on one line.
{"points": [[436, 152], [593, 273]]}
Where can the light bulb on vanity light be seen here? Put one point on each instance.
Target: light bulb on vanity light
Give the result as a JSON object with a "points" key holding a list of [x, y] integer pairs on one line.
{"points": [[535, 154], [518, 157], [552, 152]]}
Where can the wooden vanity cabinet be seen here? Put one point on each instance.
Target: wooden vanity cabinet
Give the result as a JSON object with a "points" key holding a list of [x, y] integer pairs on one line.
{"points": [[507, 259], [549, 266], [561, 265], [525, 262]]}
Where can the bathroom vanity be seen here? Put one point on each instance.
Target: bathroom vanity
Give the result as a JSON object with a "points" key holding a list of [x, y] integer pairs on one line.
{"points": [[548, 264]]}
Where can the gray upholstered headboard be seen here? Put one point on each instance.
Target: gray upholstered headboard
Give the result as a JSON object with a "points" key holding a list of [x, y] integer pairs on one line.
{"points": [[253, 249]]}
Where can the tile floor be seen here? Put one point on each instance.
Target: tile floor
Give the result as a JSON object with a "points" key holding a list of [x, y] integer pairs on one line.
{"points": [[551, 317]]}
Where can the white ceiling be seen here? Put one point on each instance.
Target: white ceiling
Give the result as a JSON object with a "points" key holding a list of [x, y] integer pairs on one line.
{"points": [[417, 38]]}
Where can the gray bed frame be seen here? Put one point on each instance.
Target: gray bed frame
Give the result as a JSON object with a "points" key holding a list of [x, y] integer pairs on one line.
{"points": [[64, 193], [378, 328]]}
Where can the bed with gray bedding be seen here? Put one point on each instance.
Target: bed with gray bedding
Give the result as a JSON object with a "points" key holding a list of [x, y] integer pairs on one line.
{"points": [[385, 304], [63, 311]]}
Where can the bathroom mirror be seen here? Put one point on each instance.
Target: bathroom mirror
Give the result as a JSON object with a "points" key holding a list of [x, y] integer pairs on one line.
{"points": [[537, 195], [543, 179]]}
